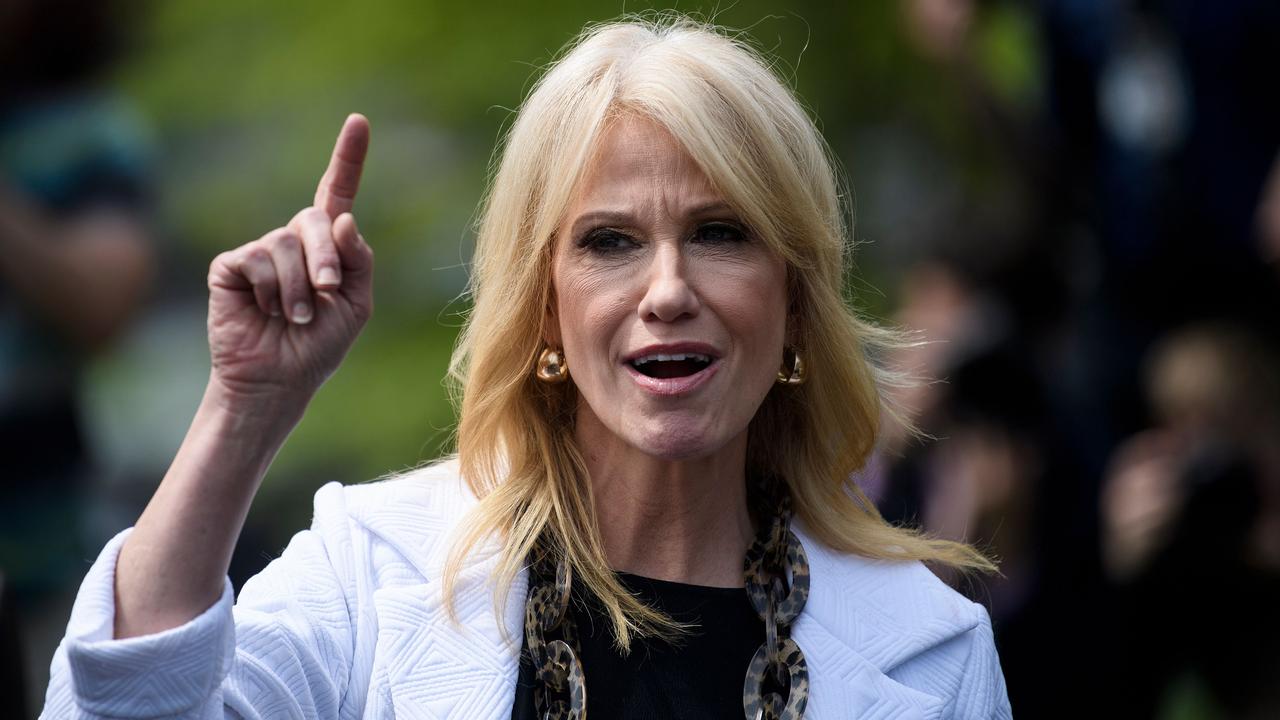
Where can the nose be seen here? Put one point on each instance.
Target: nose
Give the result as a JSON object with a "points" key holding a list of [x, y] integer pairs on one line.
{"points": [[669, 296]]}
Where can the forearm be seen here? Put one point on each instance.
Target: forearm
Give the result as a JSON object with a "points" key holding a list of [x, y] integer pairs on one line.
{"points": [[172, 566]]}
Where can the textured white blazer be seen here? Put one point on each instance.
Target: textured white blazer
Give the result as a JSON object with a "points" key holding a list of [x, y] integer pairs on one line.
{"points": [[349, 623]]}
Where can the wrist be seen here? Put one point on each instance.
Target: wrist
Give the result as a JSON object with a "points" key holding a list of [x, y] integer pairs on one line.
{"points": [[248, 417]]}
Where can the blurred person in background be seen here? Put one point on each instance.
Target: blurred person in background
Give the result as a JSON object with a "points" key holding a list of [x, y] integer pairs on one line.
{"points": [[1191, 531], [1166, 117], [1146, 195], [75, 260], [994, 474], [1269, 218], [985, 286]]}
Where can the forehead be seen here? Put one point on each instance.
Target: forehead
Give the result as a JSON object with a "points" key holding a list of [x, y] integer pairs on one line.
{"points": [[638, 157]]}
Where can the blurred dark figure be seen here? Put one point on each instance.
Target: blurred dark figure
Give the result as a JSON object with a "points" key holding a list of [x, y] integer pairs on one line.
{"points": [[1167, 121], [75, 260], [1192, 528], [989, 286], [1152, 200], [1167, 126], [995, 475]]}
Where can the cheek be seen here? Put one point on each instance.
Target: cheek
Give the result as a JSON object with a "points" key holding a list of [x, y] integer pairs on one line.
{"points": [[591, 307], [751, 299], [773, 284]]}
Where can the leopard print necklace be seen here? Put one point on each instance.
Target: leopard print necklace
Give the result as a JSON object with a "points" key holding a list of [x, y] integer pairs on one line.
{"points": [[777, 679]]}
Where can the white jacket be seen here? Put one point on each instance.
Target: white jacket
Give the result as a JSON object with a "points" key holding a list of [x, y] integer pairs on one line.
{"points": [[349, 623]]}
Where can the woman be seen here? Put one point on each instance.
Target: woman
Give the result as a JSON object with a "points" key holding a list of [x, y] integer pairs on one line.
{"points": [[663, 234]]}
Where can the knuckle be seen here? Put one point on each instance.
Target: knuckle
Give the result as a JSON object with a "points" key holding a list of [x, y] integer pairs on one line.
{"points": [[312, 214], [282, 239], [256, 254], [271, 235]]}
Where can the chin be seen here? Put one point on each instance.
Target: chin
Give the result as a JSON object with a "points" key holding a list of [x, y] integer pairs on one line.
{"points": [[676, 440]]}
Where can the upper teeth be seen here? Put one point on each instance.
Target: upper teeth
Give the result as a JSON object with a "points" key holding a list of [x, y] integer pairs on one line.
{"points": [[664, 358]]}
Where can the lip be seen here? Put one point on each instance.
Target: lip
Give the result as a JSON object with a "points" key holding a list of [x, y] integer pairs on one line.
{"points": [[699, 348], [670, 387]]}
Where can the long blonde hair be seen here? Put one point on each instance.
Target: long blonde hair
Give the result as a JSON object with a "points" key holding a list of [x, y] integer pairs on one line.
{"points": [[750, 135]]}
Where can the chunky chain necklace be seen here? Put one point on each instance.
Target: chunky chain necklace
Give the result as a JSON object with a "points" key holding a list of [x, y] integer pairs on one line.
{"points": [[777, 679]]}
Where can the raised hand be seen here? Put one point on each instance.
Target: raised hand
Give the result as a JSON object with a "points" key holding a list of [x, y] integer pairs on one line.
{"points": [[284, 309]]}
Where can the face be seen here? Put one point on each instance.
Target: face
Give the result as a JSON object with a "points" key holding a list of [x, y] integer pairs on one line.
{"points": [[672, 315]]}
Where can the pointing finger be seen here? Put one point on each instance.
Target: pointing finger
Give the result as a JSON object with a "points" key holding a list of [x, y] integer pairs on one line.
{"points": [[336, 193]]}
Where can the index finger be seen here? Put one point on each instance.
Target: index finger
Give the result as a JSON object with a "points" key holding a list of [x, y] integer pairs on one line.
{"points": [[336, 193]]}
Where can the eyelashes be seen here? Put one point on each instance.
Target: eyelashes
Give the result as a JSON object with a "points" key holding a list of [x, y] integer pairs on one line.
{"points": [[607, 241], [720, 232], [614, 241]]}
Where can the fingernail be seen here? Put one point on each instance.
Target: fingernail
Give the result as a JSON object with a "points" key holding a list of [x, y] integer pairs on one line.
{"points": [[327, 276], [302, 313]]}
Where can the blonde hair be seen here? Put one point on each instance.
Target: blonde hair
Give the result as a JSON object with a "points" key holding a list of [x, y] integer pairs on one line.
{"points": [[749, 134]]}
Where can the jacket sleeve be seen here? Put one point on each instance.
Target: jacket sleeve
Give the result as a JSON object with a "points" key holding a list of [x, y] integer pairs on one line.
{"points": [[284, 651], [982, 694]]}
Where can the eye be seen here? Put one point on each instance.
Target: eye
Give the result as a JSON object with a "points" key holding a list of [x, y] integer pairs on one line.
{"points": [[606, 241], [719, 232]]}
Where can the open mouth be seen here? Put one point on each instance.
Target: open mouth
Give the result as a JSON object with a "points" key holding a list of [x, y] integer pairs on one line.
{"points": [[671, 366]]}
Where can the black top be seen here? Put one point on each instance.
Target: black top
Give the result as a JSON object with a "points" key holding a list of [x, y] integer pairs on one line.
{"points": [[699, 677]]}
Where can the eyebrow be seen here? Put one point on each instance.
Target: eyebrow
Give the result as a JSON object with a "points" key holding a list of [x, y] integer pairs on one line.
{"points": [[623, 217]]}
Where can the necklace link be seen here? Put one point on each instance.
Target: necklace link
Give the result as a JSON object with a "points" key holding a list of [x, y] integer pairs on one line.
{"points": [[561, 693], [774, 556]]}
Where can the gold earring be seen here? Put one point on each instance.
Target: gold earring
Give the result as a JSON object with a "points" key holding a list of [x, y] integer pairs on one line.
{"points": [[795, 374], [552, 367]]}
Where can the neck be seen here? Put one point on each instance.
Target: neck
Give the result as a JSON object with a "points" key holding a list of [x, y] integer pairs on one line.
{"points": [[678, 520]]}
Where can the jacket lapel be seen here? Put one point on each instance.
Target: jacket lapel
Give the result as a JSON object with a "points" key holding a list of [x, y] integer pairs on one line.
{"points": [[843, 684], [425, 663], [849, 652], [434, 667]]}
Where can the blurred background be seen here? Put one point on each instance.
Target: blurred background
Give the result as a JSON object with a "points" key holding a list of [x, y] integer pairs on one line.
{"points": [[1076, 201]]}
